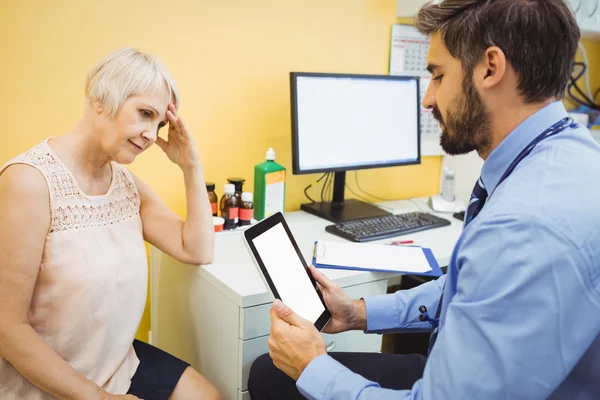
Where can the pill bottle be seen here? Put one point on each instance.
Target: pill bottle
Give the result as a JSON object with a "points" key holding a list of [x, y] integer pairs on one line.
{"points": [[246, 209], [212, 198], [229, 207]]}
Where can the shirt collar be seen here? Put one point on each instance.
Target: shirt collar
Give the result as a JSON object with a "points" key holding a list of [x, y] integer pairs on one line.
{"points": [[499, 159]]}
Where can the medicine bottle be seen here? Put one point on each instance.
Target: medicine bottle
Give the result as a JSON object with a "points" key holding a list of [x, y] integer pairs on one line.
{"points": [[212, 198], [269, 187], [239, 184], [229, 207], [246, 209]]}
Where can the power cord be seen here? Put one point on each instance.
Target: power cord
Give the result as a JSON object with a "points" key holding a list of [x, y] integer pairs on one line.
{"points": [[330, 188], [368, 194], [311, 185], [324, 186], [587, 73], [413, 201], [358, 195], [587, 101], [390, 209]]}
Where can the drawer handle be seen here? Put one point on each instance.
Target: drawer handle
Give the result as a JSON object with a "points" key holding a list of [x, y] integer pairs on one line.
{"points": [[331, 346]]}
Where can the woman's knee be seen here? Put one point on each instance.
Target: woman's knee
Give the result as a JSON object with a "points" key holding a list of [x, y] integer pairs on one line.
{"points": [[192, 385]]}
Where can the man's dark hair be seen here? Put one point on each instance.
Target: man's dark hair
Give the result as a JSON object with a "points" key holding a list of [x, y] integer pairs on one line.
{"points": [[538, 37]]}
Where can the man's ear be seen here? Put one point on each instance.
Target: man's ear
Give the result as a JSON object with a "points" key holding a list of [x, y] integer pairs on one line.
{"points": [[492, 68]]}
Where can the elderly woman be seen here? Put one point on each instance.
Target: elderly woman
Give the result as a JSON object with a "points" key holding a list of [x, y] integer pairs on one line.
{"points": [[73, 266]]}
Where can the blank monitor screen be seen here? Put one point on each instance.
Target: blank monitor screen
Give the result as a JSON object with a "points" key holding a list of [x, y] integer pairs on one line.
{"points": [[345, 122]]}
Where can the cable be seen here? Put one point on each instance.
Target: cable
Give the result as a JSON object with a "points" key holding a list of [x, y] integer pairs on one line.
{"points": [[329, 190], [311, 185], [585, 97], [580, 73], [587, 73], [416, 203], [368, 194], [577, 100], [358, 195], [411, 200], [389, 209], [587, 101], [324, 186], [307, 196]]}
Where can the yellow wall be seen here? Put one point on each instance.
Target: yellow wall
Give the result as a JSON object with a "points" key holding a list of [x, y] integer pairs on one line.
{"points": [[231, 60]]}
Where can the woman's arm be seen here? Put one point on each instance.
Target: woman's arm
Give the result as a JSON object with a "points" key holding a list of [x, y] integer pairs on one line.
{"points": [[24, 224], [190, 241]]}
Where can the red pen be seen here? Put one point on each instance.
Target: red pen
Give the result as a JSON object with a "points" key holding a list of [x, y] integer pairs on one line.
{"points": [[403, 242]]}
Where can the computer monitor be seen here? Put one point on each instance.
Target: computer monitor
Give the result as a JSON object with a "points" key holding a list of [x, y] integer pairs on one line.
{"points": [[343, 122]]}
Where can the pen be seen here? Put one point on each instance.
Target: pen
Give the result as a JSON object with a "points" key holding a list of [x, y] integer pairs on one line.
{"points": [[403, 242]]}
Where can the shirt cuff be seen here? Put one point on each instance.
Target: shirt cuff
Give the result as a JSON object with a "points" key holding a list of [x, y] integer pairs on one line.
{"points": [[317, 376], [325, 378], [383, 313]]}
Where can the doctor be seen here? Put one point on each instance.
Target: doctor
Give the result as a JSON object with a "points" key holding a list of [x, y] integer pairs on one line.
{"points": [[518, 309]]}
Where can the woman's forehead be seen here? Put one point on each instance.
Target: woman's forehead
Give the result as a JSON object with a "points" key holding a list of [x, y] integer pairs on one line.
{"points": [[158, 100]]}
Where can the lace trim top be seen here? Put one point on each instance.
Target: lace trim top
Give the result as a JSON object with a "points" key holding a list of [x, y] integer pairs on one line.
{"points": [[91, 287], [71, 207]]}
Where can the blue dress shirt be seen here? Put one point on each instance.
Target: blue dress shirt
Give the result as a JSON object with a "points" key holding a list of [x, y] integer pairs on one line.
{"points": [[521, 309]]}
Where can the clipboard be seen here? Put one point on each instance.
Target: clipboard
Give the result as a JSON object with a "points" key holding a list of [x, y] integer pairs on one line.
{"points": [[406, 260]]}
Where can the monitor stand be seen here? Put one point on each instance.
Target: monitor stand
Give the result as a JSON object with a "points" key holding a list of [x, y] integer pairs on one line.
{"points": [[340, 210]]}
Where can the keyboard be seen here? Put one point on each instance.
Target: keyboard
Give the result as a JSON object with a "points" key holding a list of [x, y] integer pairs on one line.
{"points": [[373, 228]]}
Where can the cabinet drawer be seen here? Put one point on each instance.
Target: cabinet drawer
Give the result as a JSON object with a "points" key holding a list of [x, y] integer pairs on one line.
{"points": [[355, 341], [255, 321]]}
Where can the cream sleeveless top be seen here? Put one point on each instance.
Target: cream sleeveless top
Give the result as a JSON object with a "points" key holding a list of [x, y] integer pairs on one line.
{"points": [[91, 289]]}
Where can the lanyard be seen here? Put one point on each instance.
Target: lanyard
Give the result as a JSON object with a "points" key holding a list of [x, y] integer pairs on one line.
{"points": [[553, 130]]}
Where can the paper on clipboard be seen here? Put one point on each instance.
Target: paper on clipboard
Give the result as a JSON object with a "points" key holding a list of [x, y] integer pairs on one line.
{"points": [[408, 55], [374, 257]]}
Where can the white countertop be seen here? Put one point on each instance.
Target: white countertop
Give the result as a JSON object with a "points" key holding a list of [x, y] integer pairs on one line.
{"points": [[235, 275]]}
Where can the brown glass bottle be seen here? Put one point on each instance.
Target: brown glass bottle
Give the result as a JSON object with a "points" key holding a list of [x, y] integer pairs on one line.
{"points": [[212, 198], [239, 185], [229, 207], [246, 209]]}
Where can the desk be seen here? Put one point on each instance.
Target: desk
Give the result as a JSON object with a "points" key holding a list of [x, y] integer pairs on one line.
{"points": [[216, 317]]}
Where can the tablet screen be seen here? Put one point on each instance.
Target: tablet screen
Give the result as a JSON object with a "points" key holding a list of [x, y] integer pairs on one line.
{"points": [[287, 273]]}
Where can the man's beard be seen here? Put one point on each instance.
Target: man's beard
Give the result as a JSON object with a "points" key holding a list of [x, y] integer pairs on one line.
{"points": [[468, 124]]}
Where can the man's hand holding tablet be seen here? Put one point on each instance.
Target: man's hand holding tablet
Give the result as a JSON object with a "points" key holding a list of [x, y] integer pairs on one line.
{"points": [[295, 340]]}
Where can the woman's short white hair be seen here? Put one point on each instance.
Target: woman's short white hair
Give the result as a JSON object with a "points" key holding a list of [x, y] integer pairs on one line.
{"points": [[124, 73]]}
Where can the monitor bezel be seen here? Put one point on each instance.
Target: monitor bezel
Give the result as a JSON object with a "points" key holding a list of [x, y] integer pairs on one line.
{"points": [[294, 118]]}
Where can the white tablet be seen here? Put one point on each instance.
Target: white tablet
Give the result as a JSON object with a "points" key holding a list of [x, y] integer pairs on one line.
{"points": [[284, 269]]}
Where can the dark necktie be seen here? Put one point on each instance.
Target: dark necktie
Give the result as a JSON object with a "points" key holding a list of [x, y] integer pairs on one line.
{"points": [[478, 198]]}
